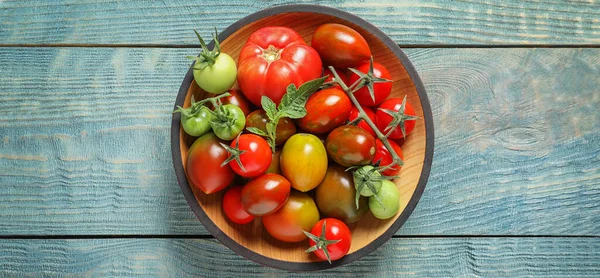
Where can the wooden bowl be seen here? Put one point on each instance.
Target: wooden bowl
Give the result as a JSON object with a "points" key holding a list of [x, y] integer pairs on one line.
{"points": [[251, 240]]}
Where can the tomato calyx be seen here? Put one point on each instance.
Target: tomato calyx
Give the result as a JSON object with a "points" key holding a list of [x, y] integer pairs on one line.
{"points": [[321, 242], [271, 54], [207, 57], [398, 119], [234, 153], [367, 79], [195, 106], [368, 180]]}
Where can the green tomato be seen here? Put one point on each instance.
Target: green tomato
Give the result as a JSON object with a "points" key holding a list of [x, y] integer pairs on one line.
{"points": [[369, 179], [219, 77], [389, 196], [228, 121], [198, 123]]}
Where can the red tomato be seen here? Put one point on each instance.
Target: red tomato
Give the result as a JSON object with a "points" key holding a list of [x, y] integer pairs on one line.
{"points": [[385, 158], [326, 110], [340, 46], [265, 194], [341, 74], [237, 99], [350, 145], [334, 230], [256, 155], [273, 58], [232, 206], [362, 124], [298, 214], [382, 90], [203, 167], [382, 119]]}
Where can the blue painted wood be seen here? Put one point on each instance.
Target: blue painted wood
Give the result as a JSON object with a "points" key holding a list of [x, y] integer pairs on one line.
{"points": [[406, 257], [408, 22], [85, 142]]}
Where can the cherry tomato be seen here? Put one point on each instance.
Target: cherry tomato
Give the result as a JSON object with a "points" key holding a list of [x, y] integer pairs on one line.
{"points": [[203, 167], [331, 229], [326, 110], [341, 74], [363, 124], [214, 71], [385, 158], [382, 90], [255, 155], [389, 196], [335, 196], [232, 206], [238, 99], [285, 126], [273, 58], [304, 161], [265, 194], [382, 119], [298, 214], [340, 46], [195, 120], [350, 145], [228, 121]]}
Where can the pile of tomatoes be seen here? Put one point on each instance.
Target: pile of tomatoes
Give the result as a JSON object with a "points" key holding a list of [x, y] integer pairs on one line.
{"points": [[292, 144]]}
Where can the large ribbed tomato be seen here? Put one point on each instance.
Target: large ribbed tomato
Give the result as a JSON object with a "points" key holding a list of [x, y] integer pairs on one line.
{"points": [[273, 58]]}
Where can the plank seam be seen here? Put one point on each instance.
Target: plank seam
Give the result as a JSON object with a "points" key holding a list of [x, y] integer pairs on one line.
{"points": [[154, 236], [67, 45]]}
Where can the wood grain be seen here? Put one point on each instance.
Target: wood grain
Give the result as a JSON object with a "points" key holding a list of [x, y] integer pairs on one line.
{"points": [[84, 142], [430, 22], [406, 257]]}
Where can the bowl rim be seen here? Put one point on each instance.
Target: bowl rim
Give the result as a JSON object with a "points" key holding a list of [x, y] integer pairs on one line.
{"points": [[306, 266]]}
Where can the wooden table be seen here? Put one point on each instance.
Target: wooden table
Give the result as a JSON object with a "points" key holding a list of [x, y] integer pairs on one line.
{"points": [[87, 186]]}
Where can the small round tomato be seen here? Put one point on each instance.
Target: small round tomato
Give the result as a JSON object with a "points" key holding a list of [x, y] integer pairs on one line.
{"points": [[386, 203], [383, 156], [214, 71], [340, 46], [341, 74], [232, 206], [297, 215], [407, 117], [335, 196], [326, 110], [381, 90], [203, 167], [259, 119], [228, 121], [265, 194], [304, 161], [363, 124], [250, 155], [330, 229], [350, 145], [238, 99], [195, 120]]}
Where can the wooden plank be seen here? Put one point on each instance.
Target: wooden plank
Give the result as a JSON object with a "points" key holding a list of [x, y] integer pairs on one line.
{"points": [[400, 257], [85, 142], [430, 22]]}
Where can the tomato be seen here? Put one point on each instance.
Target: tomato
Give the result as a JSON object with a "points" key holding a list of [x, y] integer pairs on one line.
{"points": [[274, 167], [298, 214], [385, 158], [340, 46], [326, 110], [232, 206], [265, 194], [367, 180], [389, 196], [214, 71], [238, 99], [341, 74], [273, 58], [381, 90], [203, 167], [304, 161], [363, 124], [335, 196], [407, 118], [195, 120], [228, 121], [350, 145], [334, 231], [285, 126], [251, 155]]}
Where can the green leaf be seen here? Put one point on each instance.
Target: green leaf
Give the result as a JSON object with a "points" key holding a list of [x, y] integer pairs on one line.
{"points": [[271, 126], [269, 106], [257, 131], [295, 112], [292, 103]]}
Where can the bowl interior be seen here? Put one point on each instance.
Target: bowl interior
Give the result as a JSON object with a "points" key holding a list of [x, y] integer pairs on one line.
{"points": [[253, 236]]}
